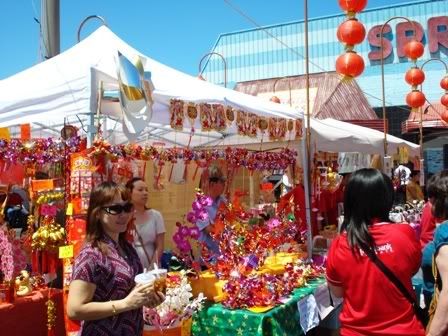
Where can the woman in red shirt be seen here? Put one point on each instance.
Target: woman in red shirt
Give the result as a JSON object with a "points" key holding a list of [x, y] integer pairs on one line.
{"points": [[373, 305]]}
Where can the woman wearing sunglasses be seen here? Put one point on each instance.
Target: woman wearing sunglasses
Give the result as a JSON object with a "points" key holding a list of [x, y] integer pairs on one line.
{"points": [[149, 231], [102, 292]]}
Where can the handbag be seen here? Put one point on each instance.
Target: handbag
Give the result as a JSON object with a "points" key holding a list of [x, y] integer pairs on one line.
{"points": [[435, 297], [420, 313]]}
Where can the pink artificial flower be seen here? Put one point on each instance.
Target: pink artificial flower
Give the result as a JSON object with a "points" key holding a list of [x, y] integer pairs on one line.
{"points": [[191, 217], [194, 232]]}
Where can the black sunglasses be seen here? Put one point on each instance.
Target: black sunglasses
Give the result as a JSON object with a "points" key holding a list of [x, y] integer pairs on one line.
{"points": [[117, 209]]}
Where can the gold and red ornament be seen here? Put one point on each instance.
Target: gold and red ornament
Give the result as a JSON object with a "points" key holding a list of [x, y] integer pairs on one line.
{"points": [[444, 100], [45, 243], [49, 197], [262, 124], [275, 99], [444, 116], [351, 32], [230, 114], [277, 128], [51, 314], [415, 99], [299, 128], [176, 114], [414, 76]]}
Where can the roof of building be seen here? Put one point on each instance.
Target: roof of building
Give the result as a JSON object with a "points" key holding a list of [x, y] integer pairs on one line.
{"points": [[334, 98], [430, 119]]}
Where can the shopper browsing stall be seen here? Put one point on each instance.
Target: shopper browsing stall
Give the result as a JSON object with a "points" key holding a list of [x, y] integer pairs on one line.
{"points": [[102, 292], [149, 231], [216, 187], [439, 246], [413, 190], [373, 305]]}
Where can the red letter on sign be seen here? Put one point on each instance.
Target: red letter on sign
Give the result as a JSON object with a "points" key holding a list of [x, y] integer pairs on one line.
{"points": [[437, 36], [374, 39], [402, 38]]}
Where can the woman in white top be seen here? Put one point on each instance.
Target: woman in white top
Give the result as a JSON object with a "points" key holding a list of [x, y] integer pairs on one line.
{"points": [[149, 225]]}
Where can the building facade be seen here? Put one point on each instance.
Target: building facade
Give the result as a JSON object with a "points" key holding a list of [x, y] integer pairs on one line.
{"points": [[278, 50]]}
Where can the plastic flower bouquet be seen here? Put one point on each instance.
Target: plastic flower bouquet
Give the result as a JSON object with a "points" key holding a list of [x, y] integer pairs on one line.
{"points": [[178, 306]]}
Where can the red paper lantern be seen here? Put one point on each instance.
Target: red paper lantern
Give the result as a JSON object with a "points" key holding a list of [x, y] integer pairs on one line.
{"points": [[350, 64], [414, 49], [414, 76], [355, 6], [351, 32], [415, 99], [444, 83], [444, 100], [275, 99], [444, 116]]}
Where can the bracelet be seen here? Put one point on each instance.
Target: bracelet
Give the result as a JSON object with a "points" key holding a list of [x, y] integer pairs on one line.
{"points": [[114, 310]]}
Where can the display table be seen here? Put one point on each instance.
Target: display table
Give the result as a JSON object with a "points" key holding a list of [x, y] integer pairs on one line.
{"points": [[28, 315], [283, 319]]}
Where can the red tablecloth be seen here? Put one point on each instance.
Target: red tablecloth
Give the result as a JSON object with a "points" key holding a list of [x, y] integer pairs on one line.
{"points": [[28, 315]]}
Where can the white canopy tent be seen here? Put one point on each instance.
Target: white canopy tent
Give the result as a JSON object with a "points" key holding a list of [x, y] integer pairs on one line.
{"points": [[65, 88], [330, 135]]}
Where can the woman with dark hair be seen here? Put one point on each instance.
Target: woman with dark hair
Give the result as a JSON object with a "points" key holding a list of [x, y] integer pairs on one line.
{"points": [[149, 230], [102, 292], [373, 305], [439, 246]]}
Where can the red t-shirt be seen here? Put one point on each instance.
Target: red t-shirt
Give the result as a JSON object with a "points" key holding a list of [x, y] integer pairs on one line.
{"points": [[428, 225], [372, 304]]}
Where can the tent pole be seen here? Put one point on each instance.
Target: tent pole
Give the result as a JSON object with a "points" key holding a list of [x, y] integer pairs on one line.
{"points": [[307, 160]]}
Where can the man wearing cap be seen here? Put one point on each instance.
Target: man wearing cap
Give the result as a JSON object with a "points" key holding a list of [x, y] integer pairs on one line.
{"points": [[216, 186]]}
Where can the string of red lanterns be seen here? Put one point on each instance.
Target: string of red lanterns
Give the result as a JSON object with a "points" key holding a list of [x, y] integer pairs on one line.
{"points": [[444, 99], [351, 32], [414, 76]]}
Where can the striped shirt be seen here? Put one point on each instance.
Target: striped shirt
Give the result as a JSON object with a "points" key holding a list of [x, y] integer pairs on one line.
{"points": [[113, 276]]}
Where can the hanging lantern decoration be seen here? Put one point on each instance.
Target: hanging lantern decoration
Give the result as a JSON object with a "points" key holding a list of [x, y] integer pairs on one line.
{"points": [[415, 99], [275, 99], [350, 65], [414, 76], [352, 6], [444, 100], [351, 32], [444, 83], [414, 49], [444, 116]]}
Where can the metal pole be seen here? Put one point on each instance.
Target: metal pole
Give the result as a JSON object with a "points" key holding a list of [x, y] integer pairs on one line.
{"points": [[50, 27], [84, 22], [289, 87], [307, 170], [223, 60]]}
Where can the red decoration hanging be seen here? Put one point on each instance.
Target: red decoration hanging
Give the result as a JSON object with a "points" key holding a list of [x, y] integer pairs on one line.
{"points": [[414, 49], [444, 100], [444, 116], [444, 83], [415, 99], [355, 6], [351, 32], [275, 99], [414, 76], [350, 64]]}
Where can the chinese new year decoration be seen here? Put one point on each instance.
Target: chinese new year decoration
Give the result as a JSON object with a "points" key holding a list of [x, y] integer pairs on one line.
{"points": [[350, 33]]}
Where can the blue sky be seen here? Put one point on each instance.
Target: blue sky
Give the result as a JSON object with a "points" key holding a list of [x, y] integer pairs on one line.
{"points": [[175, 32]]}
